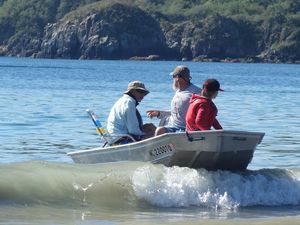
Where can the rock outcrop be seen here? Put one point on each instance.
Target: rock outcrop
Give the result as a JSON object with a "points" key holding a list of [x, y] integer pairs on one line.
{"points": [[216, 37], [115, 32], [122, 31]]}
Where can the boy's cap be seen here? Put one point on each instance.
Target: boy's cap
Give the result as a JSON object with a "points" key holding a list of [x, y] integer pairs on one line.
{"points": [[212, 85], [181, 71]]}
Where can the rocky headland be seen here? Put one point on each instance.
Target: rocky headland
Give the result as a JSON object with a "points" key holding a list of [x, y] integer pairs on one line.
{"points": [[125, 31]]}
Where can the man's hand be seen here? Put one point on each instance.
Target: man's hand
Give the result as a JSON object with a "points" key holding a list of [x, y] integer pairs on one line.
{"points": [[153, 113]]}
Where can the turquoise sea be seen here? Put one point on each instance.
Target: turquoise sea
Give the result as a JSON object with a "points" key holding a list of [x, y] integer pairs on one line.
{"points": [[42, 117]]}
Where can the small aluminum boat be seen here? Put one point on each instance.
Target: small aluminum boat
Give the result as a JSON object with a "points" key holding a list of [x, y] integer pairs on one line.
{"points": [[212, 150]]}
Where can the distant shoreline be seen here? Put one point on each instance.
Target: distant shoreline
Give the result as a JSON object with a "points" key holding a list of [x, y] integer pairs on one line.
{"points": [[214, 59], [157, 58]]}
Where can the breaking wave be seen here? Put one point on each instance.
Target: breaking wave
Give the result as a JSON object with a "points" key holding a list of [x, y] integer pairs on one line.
{"points": [[185, 187], [136, 184]]}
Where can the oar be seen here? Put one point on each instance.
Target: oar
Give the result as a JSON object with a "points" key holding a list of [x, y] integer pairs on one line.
{"points": [[100, 129]]}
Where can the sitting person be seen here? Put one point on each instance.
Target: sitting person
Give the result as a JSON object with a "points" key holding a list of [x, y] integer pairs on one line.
{"points": [[179, 104], [202, 112], [125, 119]]}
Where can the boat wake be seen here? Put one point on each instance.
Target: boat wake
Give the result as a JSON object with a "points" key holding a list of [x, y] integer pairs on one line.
{"points": [[136, 185], [185, 187]]}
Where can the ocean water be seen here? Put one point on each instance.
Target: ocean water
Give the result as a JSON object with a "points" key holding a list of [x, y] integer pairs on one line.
{"points": [[42, 117]]}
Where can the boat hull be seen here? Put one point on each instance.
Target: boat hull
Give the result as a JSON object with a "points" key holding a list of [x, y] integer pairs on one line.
{"points": [[212, 150]]}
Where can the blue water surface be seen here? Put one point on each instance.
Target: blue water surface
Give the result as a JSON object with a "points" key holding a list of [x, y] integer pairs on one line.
{"points": [[43, 102]]}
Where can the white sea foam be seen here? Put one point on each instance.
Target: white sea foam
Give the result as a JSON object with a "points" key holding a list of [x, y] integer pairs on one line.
{"points": [[184, 187]]}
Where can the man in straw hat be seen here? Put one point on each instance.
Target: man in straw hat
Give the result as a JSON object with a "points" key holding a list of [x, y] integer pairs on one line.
{"points": [[179, 104], [124, 118]]}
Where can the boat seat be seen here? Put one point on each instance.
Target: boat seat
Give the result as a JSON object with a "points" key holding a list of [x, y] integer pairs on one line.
{"points": [[109, 140], [119, 140]]}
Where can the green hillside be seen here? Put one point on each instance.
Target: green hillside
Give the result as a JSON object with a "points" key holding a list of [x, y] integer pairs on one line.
{"points": [[275, 23]]}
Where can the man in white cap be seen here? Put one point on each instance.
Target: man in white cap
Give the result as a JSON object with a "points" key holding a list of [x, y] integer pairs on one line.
{"points": [[179, 104], [124, 118]]}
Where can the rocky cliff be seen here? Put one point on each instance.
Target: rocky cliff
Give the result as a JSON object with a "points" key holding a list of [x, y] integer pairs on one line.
{"points": [[114, 32], [123, 31]]}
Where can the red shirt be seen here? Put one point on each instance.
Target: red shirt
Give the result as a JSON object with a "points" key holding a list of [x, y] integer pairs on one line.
{"points": [[201, 114]]}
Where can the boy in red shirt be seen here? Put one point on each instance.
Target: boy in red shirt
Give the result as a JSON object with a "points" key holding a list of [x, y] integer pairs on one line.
{"points": [[202, 112]]}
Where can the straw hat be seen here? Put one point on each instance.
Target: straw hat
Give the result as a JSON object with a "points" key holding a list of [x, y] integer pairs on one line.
{"points": [[136, 85]]}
